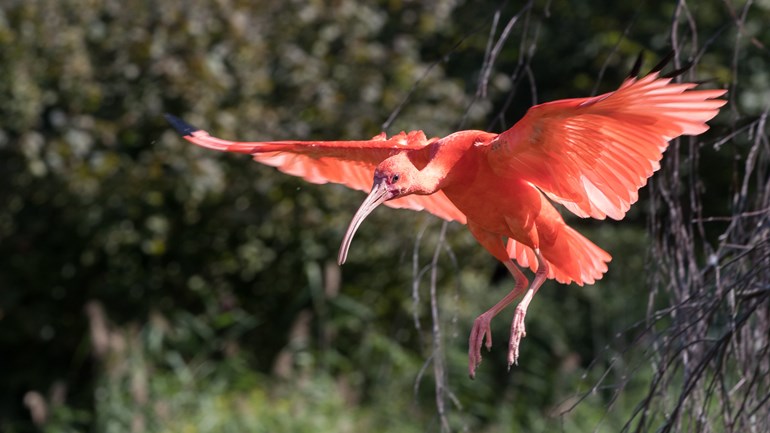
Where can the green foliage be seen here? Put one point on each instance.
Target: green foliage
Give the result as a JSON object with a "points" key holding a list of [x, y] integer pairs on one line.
{"points": [[147, 285]]}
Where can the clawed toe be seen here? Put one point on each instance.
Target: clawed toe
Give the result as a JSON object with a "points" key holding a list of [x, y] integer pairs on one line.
{"points": [[480, 330], [518, 332]]}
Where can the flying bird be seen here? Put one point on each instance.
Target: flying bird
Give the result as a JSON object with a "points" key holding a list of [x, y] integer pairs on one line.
{"points": [[590, 155]]}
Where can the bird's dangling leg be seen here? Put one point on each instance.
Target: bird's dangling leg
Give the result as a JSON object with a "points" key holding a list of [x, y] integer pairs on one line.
{"points": [[494, 244], [481, 326], [517, 325]]}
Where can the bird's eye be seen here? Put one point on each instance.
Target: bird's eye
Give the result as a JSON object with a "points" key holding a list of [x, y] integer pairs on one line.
{"points": [[394, 179]]}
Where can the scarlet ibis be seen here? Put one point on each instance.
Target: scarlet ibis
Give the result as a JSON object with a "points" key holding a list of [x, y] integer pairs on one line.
{"points": [[591, 155]]}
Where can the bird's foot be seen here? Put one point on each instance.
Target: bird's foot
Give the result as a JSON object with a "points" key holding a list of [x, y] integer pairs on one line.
{"points": [[517, 333], [480, 329]]}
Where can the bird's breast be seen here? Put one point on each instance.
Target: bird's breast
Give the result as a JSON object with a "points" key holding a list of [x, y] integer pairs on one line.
{"points": [[507, 207]]}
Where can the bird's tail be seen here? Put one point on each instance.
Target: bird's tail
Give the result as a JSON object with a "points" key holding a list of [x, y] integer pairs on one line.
{"points": [[572, 258]]}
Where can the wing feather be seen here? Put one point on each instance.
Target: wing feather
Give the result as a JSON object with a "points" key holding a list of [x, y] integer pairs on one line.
{"points": [[593, 154], [351, 163]]}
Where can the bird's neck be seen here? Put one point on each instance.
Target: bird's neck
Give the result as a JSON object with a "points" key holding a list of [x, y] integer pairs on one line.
{"points": [[430, 180], [450, 161]]}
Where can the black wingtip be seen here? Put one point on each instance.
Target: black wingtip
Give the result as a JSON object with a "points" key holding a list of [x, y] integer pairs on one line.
{"points": [[677, 72], [180, 125], [662, 64], [637, 65]]}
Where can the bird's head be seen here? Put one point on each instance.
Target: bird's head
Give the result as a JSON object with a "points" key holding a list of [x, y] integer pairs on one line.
{"points": [[394, 177]]}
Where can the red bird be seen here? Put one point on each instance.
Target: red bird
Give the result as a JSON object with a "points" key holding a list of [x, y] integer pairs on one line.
{"points": [[590, 155]]}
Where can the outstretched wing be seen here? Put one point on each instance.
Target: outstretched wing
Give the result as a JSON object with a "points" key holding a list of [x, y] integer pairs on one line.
{"points": [[350, 163], [593, 154]]}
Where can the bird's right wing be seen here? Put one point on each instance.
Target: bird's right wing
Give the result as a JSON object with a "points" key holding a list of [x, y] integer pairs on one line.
{"points": [[350, 163]]}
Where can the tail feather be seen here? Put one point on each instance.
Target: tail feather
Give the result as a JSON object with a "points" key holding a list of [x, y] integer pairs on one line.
{"points": [[572, 258]]}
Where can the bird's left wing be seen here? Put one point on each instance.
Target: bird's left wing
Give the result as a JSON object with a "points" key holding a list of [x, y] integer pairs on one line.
{"points": [[350, 163], [593, 154]]}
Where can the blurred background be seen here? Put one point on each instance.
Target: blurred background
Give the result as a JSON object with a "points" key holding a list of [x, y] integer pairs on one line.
{"points": [[147, 285]]}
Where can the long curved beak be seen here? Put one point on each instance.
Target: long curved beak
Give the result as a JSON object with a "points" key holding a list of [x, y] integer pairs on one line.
{"points": [[376, 197]]}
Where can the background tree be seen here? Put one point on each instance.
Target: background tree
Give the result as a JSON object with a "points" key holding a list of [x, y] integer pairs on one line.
{"points": [[146, 285]]}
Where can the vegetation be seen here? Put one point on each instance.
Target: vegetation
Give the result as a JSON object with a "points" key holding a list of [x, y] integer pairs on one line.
{"points": [[147, 285]]}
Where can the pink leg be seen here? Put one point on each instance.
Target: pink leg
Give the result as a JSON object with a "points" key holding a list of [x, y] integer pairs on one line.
{"points": [[494, 244], [517, 326], [481, 324]]}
